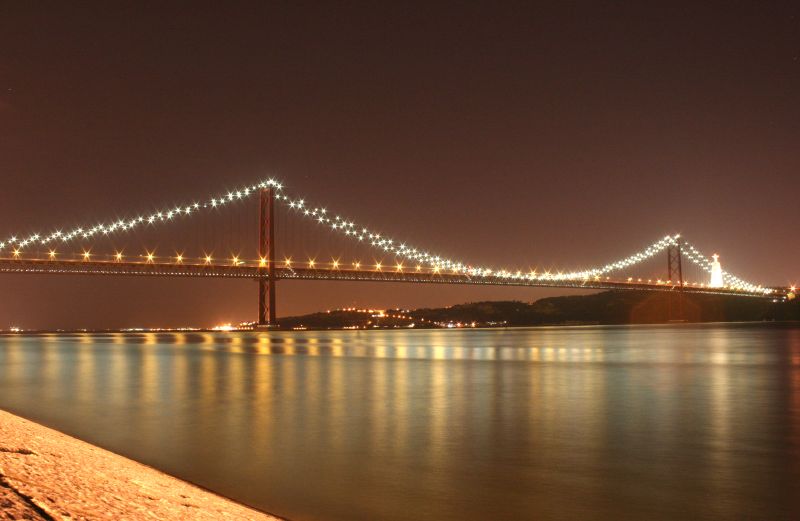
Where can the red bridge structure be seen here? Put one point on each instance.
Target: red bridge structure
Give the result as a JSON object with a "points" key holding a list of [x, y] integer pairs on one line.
{"points": [[38, 254]]}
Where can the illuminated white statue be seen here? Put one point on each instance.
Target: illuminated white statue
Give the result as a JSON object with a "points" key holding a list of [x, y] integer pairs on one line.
{"points": [[716, 273]]}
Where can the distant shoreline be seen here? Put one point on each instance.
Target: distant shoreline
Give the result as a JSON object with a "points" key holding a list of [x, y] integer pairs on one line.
{"points": [[278, 330], [605, 308]]}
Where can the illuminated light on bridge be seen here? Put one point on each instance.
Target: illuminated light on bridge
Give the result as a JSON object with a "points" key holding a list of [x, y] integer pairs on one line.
{"points": [[429, 267]]}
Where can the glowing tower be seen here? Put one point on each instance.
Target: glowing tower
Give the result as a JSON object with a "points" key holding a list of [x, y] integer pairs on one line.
{"points": [[716, 273]]}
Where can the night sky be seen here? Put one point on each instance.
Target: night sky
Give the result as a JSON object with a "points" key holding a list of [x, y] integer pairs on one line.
{"points": [[549, 136]]}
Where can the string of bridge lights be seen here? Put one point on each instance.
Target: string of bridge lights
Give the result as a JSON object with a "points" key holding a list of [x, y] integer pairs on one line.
{"points": [[362, 234], [402, 250], [704, 263], [141, 220]]}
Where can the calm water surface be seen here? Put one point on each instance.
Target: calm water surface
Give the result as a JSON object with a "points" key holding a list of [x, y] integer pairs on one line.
{"points": [[670, 422]]}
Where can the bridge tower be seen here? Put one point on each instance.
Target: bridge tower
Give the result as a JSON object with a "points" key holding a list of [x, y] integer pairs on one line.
{"points": [[675, 275], [266, 250]]}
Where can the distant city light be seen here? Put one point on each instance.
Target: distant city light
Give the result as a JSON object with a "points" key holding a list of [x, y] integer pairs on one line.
{"points": [[223, 327]]}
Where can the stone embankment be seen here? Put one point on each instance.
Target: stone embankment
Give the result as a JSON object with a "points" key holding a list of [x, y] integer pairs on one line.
{"points": [[47, 475]]}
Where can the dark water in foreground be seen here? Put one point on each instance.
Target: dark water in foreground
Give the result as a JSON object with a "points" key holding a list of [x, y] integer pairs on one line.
{"points": [[671, 422]]}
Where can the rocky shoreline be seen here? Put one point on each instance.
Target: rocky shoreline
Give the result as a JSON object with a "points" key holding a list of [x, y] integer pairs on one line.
{"points": [[47, 475]]}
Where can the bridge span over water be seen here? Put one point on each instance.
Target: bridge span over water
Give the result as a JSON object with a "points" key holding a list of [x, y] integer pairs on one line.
{"points": [[44, 254]]}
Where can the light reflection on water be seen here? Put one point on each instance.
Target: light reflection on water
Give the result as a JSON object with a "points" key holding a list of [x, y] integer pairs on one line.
{"points": [[699, 422]]}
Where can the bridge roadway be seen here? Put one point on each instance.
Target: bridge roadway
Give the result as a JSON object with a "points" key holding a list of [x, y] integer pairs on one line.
{"points": [[158, 269]]}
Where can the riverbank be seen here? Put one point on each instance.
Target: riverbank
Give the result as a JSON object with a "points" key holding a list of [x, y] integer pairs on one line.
{"points": [[45, 474]]}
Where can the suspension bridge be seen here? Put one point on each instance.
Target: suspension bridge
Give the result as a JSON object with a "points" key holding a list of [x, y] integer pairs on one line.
{"points": [[51, 254]]}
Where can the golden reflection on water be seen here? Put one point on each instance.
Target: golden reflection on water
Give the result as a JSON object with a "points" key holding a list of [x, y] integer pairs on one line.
{"points": [[180, 378], [86, 368], [207, 385], [261, 407], [335, 392], [398, 405], [379, 433], [599, 423], [149, 370]]}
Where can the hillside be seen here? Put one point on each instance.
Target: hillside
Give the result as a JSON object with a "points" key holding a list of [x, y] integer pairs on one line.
{"points": [[610, 307]]}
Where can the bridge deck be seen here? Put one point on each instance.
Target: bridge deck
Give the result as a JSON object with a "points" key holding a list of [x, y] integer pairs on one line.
{"points": [[155, 269]]}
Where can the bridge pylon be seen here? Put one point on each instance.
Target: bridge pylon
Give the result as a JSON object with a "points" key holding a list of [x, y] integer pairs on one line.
{"points": [[675, 275], [266, 250]]}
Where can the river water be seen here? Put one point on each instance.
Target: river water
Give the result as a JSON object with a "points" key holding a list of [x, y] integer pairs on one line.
{"points": [[644, 422]]}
